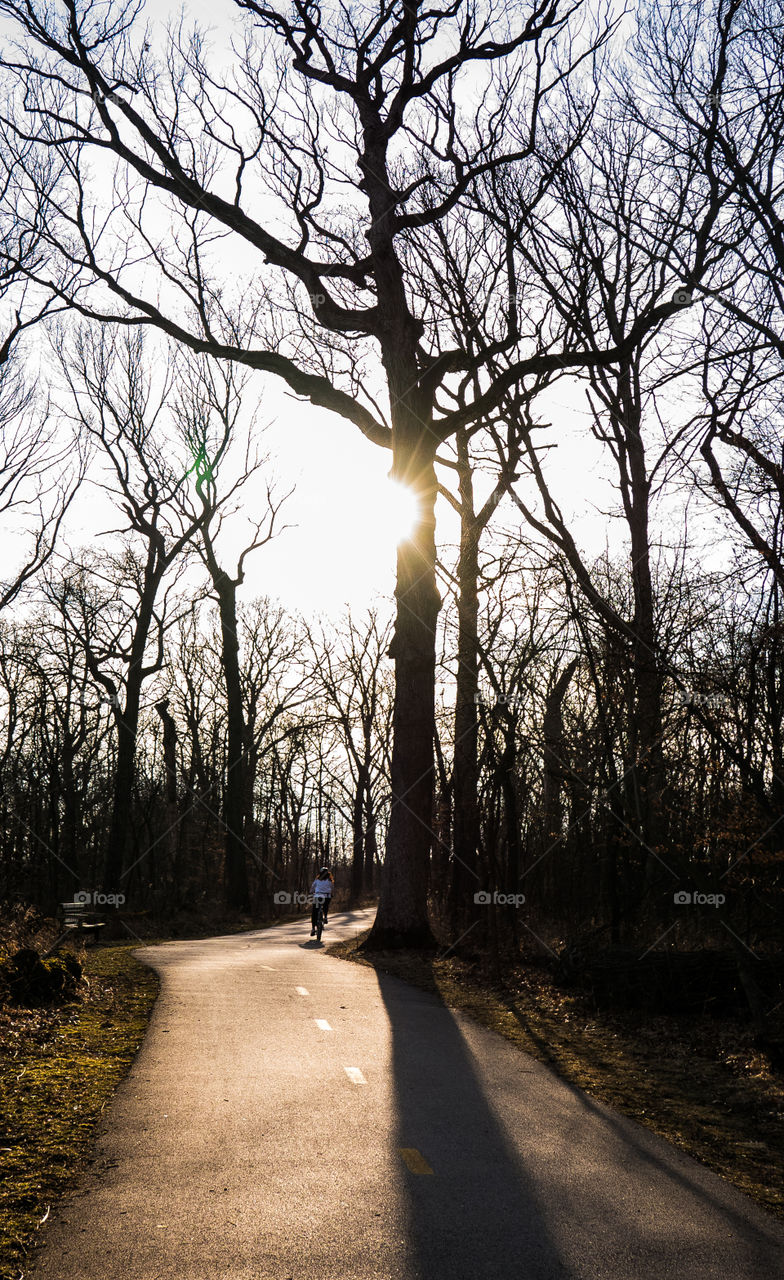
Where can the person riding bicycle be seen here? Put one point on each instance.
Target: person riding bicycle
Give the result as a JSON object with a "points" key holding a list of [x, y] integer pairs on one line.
{"points": [[321, 890]]}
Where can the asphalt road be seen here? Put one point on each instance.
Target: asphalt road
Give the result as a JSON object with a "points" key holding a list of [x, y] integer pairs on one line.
{"points": [[294, 1117]]}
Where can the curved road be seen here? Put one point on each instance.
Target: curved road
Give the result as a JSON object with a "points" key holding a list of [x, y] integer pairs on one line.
{"points": [[294, 1117]]}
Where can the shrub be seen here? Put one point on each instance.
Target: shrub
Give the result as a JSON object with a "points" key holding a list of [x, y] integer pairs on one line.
{"points": [[28, 980]]}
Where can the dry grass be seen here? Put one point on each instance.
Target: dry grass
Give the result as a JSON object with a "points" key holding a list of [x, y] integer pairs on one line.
{"points": [[58, 1069]]}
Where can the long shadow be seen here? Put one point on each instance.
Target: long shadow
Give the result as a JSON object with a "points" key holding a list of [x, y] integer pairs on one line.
{"points": [[647, 1148], [476, 1217], [485, 1213]]}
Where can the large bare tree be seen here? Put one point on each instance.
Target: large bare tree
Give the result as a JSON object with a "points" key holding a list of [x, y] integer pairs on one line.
{"points": [[336, 157]]}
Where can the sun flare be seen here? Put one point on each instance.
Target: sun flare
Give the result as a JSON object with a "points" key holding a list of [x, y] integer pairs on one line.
{"points": [[397, 511]]}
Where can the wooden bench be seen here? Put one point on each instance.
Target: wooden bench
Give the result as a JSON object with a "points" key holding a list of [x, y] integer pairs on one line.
{"points": [[77, 915]]}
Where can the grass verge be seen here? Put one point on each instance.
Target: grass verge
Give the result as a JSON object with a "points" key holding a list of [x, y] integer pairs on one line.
{"points": [[698, 1082], [58, 1069]]}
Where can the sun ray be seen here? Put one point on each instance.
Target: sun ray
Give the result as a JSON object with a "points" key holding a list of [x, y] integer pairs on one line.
{"points": [[397, 511]]}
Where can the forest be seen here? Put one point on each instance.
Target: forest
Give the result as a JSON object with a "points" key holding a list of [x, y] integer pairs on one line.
{"points": [[537, 256]]}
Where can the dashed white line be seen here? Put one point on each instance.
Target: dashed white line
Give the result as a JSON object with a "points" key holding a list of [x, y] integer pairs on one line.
{"points": [[355, 1075], [302, 991]]}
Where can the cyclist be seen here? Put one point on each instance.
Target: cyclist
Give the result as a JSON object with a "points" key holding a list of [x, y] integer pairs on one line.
{"points": [[321, 890]]}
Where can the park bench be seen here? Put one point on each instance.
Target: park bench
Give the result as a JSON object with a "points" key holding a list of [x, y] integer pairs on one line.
{"points": [[77, 915]]}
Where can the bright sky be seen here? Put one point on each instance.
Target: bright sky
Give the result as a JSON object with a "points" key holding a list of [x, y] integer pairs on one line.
{"points": [[339, 527], [348, 516], [344, 516]]}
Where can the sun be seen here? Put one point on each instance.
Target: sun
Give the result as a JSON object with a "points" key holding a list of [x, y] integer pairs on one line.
{"points": [[396, 512]]}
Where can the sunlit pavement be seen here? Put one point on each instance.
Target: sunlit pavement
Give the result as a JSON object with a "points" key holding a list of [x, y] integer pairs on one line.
{"points": [[294, 1116]]}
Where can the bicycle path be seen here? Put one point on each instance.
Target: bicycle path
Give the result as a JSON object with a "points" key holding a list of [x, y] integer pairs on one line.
{"points": [[294, 1117]]}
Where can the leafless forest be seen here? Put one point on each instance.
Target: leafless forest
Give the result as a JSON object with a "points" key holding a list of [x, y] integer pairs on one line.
{"points": [[445, 224]]}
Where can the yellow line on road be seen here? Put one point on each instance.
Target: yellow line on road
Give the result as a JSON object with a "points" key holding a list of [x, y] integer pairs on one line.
{"points": [[415, 1161]]}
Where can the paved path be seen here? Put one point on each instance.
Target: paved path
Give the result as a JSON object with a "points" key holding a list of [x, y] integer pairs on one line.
{"points": [[285, 1112]]}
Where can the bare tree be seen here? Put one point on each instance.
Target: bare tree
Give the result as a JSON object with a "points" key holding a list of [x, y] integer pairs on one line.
{"points": [[113, 401], [348, 128], [349, 668], [715, 102], [207, 409], [612, 244], [40, 473], [277, 691], [474, 521]]}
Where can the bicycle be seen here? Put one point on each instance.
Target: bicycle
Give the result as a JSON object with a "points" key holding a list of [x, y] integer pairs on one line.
{"points": [[319, 922]]}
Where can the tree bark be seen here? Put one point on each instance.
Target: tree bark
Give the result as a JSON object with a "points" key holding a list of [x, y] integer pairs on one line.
{"points": [[553, 757], [172, 832], [235, 867], [402, 918], [127, 723], [465, 778], [358, 834]]}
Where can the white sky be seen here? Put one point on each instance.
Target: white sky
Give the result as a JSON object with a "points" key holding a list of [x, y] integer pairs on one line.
{"points": [[340, 546], [343, 517]]}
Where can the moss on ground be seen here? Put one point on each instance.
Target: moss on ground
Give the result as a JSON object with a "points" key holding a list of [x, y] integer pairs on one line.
{"points": [[58, 1069], [698, 1082]]}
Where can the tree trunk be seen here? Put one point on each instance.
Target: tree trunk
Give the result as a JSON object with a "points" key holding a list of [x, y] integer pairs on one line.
{"points": [[72, 844], [358, 836], [465, 779], [172, 832], [234, 795], [371, 848], [508, 769], [553, 758], [127, 723], [647, 727], [402, 918]]}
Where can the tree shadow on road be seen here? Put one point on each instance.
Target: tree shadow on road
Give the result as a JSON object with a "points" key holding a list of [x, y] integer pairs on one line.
{"points": [[476, 1217], [710, 1192], [485, 1215]]}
